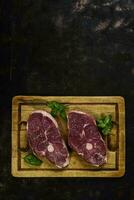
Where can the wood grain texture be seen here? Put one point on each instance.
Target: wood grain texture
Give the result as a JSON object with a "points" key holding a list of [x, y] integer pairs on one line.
{"points": [[22, 106]]}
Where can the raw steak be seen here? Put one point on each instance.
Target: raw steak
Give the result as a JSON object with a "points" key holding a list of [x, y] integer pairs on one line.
{"points": [[85, 138], [45, 140]]}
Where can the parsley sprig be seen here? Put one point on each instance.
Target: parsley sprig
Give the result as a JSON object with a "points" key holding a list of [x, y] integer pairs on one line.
{"points": [[58, 108], [32, 160], [105, 124]]}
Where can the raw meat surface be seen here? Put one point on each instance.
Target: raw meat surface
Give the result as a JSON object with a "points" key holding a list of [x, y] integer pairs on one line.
{"points": [[45, 139], [85, 138]]}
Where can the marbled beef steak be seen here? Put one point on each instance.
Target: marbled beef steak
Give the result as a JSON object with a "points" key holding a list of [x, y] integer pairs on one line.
{"points": [[85, 139], [45, 139]]}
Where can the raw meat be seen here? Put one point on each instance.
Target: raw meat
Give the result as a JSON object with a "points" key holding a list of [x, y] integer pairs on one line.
{"points": [[85, 138], [45, 140]]}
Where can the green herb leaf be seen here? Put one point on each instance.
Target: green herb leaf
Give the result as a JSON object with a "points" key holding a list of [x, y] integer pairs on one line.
{"points": [[105, 124], [57, 108], [63, 115], [32, 160], [53, 113]]}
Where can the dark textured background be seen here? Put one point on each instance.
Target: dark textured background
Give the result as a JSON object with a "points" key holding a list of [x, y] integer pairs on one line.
{"points": [[66, 47]]}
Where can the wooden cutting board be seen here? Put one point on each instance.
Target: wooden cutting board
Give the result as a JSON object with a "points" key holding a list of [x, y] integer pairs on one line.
{"points": [[22, 106]]}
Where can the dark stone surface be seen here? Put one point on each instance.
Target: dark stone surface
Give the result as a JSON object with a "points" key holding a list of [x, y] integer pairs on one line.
{"points": [[66, 47]]}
